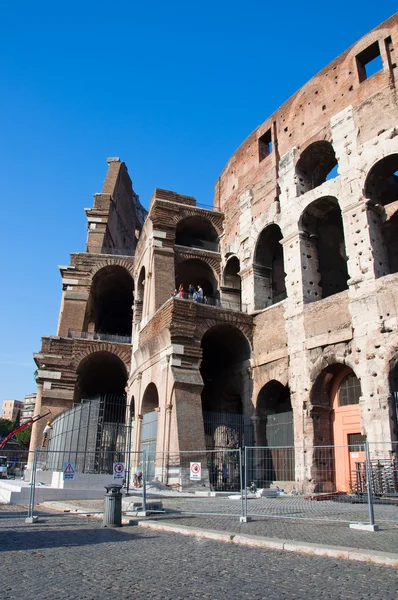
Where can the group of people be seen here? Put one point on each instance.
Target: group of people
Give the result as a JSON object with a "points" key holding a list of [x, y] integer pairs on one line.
{"points": [[193, 293]]}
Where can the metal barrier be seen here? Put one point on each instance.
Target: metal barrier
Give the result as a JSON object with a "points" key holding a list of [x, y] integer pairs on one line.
{"points": [[346, 484]]}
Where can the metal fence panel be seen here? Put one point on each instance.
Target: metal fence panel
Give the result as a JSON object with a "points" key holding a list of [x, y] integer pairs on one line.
{"points": [[383, 469], [302, 483]]}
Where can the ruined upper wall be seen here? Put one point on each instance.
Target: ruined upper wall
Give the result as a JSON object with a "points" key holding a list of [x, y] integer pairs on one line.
{"points": [[117, 214], [306, 118]]}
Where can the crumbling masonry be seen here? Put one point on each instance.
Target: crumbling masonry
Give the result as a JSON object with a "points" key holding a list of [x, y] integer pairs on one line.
{"points": [[298, 261]]}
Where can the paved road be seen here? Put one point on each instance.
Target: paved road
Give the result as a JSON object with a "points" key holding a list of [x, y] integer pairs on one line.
{"points": [[333, 530], [67, 557]]}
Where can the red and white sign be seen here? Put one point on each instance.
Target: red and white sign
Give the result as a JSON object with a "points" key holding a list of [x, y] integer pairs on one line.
{"points": [[118, 470], [195, 471]]}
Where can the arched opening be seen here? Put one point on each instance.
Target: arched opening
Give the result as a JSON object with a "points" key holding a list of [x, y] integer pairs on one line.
{"points": [[275, 432], [269, 270], [338, 441], [381, 188], [394, 406], [111, 301], [96, 425], [196, 272], [150, 399], [149, 428], [196, 232], [390, 238], [101, 373], [232, 285], [139, 297], [316, 164], [381, 184], [327, 272], [226, 352]]}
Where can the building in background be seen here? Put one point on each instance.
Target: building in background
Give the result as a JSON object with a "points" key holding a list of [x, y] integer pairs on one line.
{"points": [[294, 344], [11, 408], [28, 410]]}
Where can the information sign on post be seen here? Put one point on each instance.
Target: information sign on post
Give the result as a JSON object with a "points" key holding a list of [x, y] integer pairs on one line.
{"points": [[118, 470], [69, 471], [195, 471]]}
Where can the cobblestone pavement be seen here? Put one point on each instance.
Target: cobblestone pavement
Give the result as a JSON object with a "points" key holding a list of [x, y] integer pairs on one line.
{"points": [[334, 532], [70, 557]]}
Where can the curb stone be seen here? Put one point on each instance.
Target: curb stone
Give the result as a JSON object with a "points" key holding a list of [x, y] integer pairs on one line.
{"points": [[387, 559]]}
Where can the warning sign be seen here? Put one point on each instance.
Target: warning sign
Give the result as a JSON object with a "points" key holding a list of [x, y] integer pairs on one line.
{"points": [[195, 473], [69, 471], [118, 470]]}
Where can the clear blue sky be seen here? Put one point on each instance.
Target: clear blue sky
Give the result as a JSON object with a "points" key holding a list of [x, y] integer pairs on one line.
{"points": [[172, 88]]}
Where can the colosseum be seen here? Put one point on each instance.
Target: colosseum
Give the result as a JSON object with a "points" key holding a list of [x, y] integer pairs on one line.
{"points": [[267, 320]]}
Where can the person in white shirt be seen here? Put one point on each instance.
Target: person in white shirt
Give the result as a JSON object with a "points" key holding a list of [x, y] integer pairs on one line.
{"points": [[46, 431]]}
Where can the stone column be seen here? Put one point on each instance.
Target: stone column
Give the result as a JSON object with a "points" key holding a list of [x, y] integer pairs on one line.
{"points": [[37, 428]]}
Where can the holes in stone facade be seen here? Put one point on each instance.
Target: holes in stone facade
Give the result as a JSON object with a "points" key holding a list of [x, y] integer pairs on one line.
{"points": [[369, 62], [323, 226], [314, 166], [264, 145], [268, 266]]}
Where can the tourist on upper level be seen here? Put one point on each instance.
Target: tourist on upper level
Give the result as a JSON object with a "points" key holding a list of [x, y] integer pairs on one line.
{"points": [[199, 294], [191, 291]]}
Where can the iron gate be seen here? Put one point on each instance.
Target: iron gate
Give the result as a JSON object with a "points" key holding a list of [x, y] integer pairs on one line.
{"points": [[149, 429]]}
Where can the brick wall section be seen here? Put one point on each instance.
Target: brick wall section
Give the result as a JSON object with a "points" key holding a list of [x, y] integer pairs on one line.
{"points": [[304, 118]]}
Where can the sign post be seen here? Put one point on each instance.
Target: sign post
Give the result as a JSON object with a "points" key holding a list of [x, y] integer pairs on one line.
{"points": [[69, 471], [118, 470], [195, 471]]}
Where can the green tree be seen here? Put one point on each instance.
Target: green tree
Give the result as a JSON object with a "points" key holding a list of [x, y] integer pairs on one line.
{"points": [[23, 437], [5, 427]]}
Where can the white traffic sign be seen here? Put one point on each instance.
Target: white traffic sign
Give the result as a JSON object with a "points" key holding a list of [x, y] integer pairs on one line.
{"points": [[69, 471], [118, 470], [195, 471]]}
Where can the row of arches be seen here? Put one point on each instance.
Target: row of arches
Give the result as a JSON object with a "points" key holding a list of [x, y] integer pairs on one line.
{"points": [[109, 309], [232, 417]]}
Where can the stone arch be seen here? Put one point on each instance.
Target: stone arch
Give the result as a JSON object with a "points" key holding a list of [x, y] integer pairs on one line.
{"points": [[120, 262], [196, 231], [316, 164], [150, 399], [123, 354], [335, 412], [393, 396], [214, 219], [225, 352], [196, 272], [268, 267], [231, 287], [109, 308], [381, 183], [322, 226], [204, 325], [102, 376]]}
